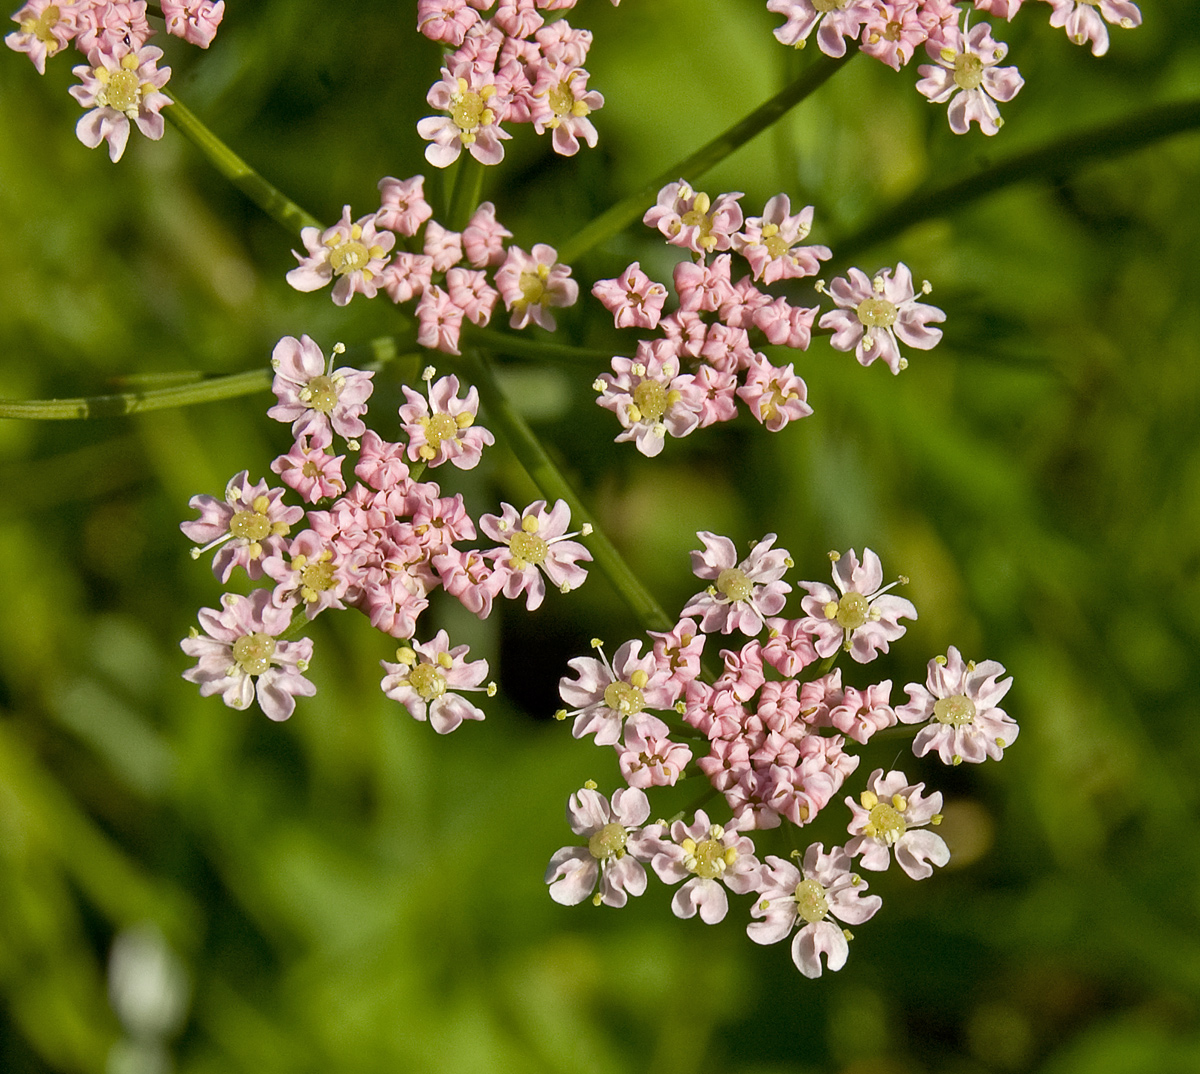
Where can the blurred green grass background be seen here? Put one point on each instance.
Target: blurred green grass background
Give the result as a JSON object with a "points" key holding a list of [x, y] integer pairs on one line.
{"points": [[348, 892]]}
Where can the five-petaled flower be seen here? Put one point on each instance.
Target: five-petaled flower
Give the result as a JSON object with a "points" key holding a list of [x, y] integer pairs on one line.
{"points": [[120, 87]]}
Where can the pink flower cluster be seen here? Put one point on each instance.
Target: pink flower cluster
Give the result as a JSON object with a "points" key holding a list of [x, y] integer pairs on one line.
{"points": [[773, 734], [381, 545], [509, 66], [707, 358], [121, 81], [964, 72], [446, 272]]}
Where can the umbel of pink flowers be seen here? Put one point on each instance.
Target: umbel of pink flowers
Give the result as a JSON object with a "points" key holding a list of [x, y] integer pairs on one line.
{"points": [[774, 734], [381, 545]]}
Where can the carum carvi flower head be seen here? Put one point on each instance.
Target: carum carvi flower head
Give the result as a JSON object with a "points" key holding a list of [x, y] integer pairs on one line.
{"points": [[708, 857], [691, 219], [316, 398], [120, 87], [891, 815], [242, 658], [651, 396], [43, 29], [966, 74], [821, 899], [531, 283], [443, 429], [354, 252], [605, 694], [475, 108], [743, 594], [859, 615], [615, 850], [960, 700], [536, 541], [426, 678]]}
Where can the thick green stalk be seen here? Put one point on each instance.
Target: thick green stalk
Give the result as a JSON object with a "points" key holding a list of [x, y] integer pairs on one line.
{"points": [[528, 449], [692, 167], [468, 188], [275, 204], [1058, 158]]}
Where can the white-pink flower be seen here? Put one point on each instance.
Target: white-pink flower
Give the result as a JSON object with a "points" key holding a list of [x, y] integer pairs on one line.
{"points": [[839, 20], [966, 74], [316, 398], [536, 542], [634, 300], [875, 311], [605, 695], [120, 87], [821, 900], [708, 855], [44, 29], [742, 594], [960, 699], [690, 219], [1084, 20], [443, 428], [859, 615], [561, 102], [196, 21], [616, 847], [427, 677], [531, 283], [890, 816], [311, 470], [774, 395], [475, 108], [651, 396], [242, 659], [403, 208], [769, 243], [353, 252]]}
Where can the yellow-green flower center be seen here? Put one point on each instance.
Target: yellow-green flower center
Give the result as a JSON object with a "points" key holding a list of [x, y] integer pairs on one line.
{"points": [[427, 681], [250, 525], [41, 27], [350, 256], [122, 91], [322, 392], [608, 842], [775, 243], [876, 313], [561, 99], [528, 548], [253, 652], [533, 284], [623, 698], [957, 711], [708, 858], [885, 822], [829, 5], [650, 397], [852, 611], [968, 71], [733, 583], [811, 901], [316, 576]]}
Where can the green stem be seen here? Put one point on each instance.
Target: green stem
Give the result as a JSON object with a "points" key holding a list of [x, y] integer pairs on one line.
{"points": [[539, 350], [274, 203], [468, 188], [630, 208], [549, 479], [1059, 158]]}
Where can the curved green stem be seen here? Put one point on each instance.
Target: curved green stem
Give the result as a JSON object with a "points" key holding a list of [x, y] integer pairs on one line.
{"points": [[275, 204], [549, 479], [1055, 159], [630, 208], [536, 349], [468, 188]]}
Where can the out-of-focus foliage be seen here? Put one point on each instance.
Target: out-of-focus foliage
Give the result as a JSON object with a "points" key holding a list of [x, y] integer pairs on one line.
{"points": [[348, 892]]}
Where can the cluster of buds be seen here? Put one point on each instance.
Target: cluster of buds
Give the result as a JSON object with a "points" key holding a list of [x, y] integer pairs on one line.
{"points": [[706, 358], [381, 545], [965, 71], [121, 81], [509, 66], [771, 734], [445, 272]]}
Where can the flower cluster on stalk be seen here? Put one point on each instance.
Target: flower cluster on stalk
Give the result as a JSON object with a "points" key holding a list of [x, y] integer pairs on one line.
{"points": [[965, 71], [774, 734], [707, 358]]}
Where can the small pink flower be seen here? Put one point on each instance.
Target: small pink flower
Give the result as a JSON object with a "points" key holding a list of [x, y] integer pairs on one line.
{"points": [[891, 815], [316, 398], [250, 524], [605, 695], [443, 429], [406, 275], [196, 21], [403, 208], [742, 594], [1084, 20], [531, 283], [839, 19], [380, 463], [242, 659], [443, 245], [439, 321], [650, 396], [769, 243], [634, 300], [821, 899], [860, 615], [648, 757], [352, 252], [120, 87], [892, 31], [702, 286], [536, 542], [314, 573], [677, 652], [44, 29], [616, 847], [483, 237], [704, 853], [311, 470], [875, 312], [475, 108], [470, 579], [445, 20], [690, 219], [860, 713], [112, 26], [470, 292], [966, 74], [425, 680], [960, 701], [775, 396], [561, 102]]}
